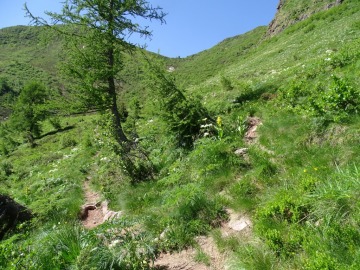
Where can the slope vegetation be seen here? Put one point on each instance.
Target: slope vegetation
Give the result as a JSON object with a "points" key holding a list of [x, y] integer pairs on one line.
{"points": [[273, 183]]}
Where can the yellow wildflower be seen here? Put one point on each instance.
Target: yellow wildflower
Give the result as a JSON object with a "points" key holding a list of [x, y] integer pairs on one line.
{"points": [[219, 121]]}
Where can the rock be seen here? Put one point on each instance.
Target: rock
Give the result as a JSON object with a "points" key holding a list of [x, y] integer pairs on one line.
{"points": [[251, 133], [241, 152], [111, 215], [240, 224]]}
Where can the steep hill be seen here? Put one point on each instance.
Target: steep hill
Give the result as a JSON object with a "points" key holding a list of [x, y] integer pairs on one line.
{"points": [[273, 183], [290, 12], [24, 56]]}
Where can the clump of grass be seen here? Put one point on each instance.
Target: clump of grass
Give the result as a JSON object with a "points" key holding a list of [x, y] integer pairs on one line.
{"points": [[202, 257], [67, 141], [253, 255], [6, 168]]}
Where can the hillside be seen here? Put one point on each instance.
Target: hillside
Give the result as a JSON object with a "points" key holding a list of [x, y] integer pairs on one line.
{"points": [[291, 12], [24, 56], [271, 182]]}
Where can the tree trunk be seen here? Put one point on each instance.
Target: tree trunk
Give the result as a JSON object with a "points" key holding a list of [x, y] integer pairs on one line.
{"points": [[31, 139], [119, 133]]}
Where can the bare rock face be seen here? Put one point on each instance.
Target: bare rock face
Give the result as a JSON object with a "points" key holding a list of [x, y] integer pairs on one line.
{"points": [[290, 12], [11, 214]]}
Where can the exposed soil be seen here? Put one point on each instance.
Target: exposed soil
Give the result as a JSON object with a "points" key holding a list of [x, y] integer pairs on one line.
{"points": [[91, 214], [185, 260], [251, 133], [95, 211], [237, 225]]}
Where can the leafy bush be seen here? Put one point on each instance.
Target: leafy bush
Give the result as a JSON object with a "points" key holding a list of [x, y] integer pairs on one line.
{"points": [[309, 28], [6, 168], [182, 114], [342, 97], [67, 141], [193, 213], [279, 223], [333, 103], [30, 110], [226, 84], [121, 245], [253, 92], [55, 122]]}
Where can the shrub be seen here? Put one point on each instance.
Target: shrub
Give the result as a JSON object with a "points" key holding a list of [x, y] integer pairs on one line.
{"points": [[226, 84], [55, 122], [30, 110], [6, 168], [121, 245], [333, 103], [309, 28], [194, 213], [67, 141], [182, 114]]}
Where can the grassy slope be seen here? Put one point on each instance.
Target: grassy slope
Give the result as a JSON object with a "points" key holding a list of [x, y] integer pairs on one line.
{"points": [[199, 67], [300, 182], [23, 56], [291, 12]]}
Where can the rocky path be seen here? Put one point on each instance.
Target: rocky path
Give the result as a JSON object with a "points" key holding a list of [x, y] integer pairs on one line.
{"points": [[91, 213], [238, 225], [95, 211]]}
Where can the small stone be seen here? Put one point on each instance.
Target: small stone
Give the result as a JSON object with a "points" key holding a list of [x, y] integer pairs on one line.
{"points": [[240, 224], [241, 152]]}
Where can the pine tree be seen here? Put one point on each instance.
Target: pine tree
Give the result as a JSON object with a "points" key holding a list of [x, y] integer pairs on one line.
{"points": [[30, 109], [95, 32]]}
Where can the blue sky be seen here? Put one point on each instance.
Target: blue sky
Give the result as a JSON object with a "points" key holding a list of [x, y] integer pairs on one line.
{"points": [[191, 25]]}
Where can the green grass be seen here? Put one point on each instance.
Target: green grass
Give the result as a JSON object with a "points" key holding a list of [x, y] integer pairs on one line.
{"points": [[299, 183]]}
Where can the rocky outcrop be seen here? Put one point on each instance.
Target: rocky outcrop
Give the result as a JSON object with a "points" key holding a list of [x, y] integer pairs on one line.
{"points": [[11, 214], [290, 12]]}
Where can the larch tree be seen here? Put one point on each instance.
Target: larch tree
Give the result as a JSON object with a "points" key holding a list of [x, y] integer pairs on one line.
{"points": [[96, 38], [30, 110]]}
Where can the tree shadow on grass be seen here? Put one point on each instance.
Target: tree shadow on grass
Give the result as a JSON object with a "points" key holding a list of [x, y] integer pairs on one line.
{"points": [[60, 130]]}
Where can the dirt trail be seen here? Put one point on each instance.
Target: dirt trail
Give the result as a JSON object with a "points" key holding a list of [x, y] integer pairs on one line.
{"points": [[238, 225], [95, 211], [91, 214], [185, 260]]}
